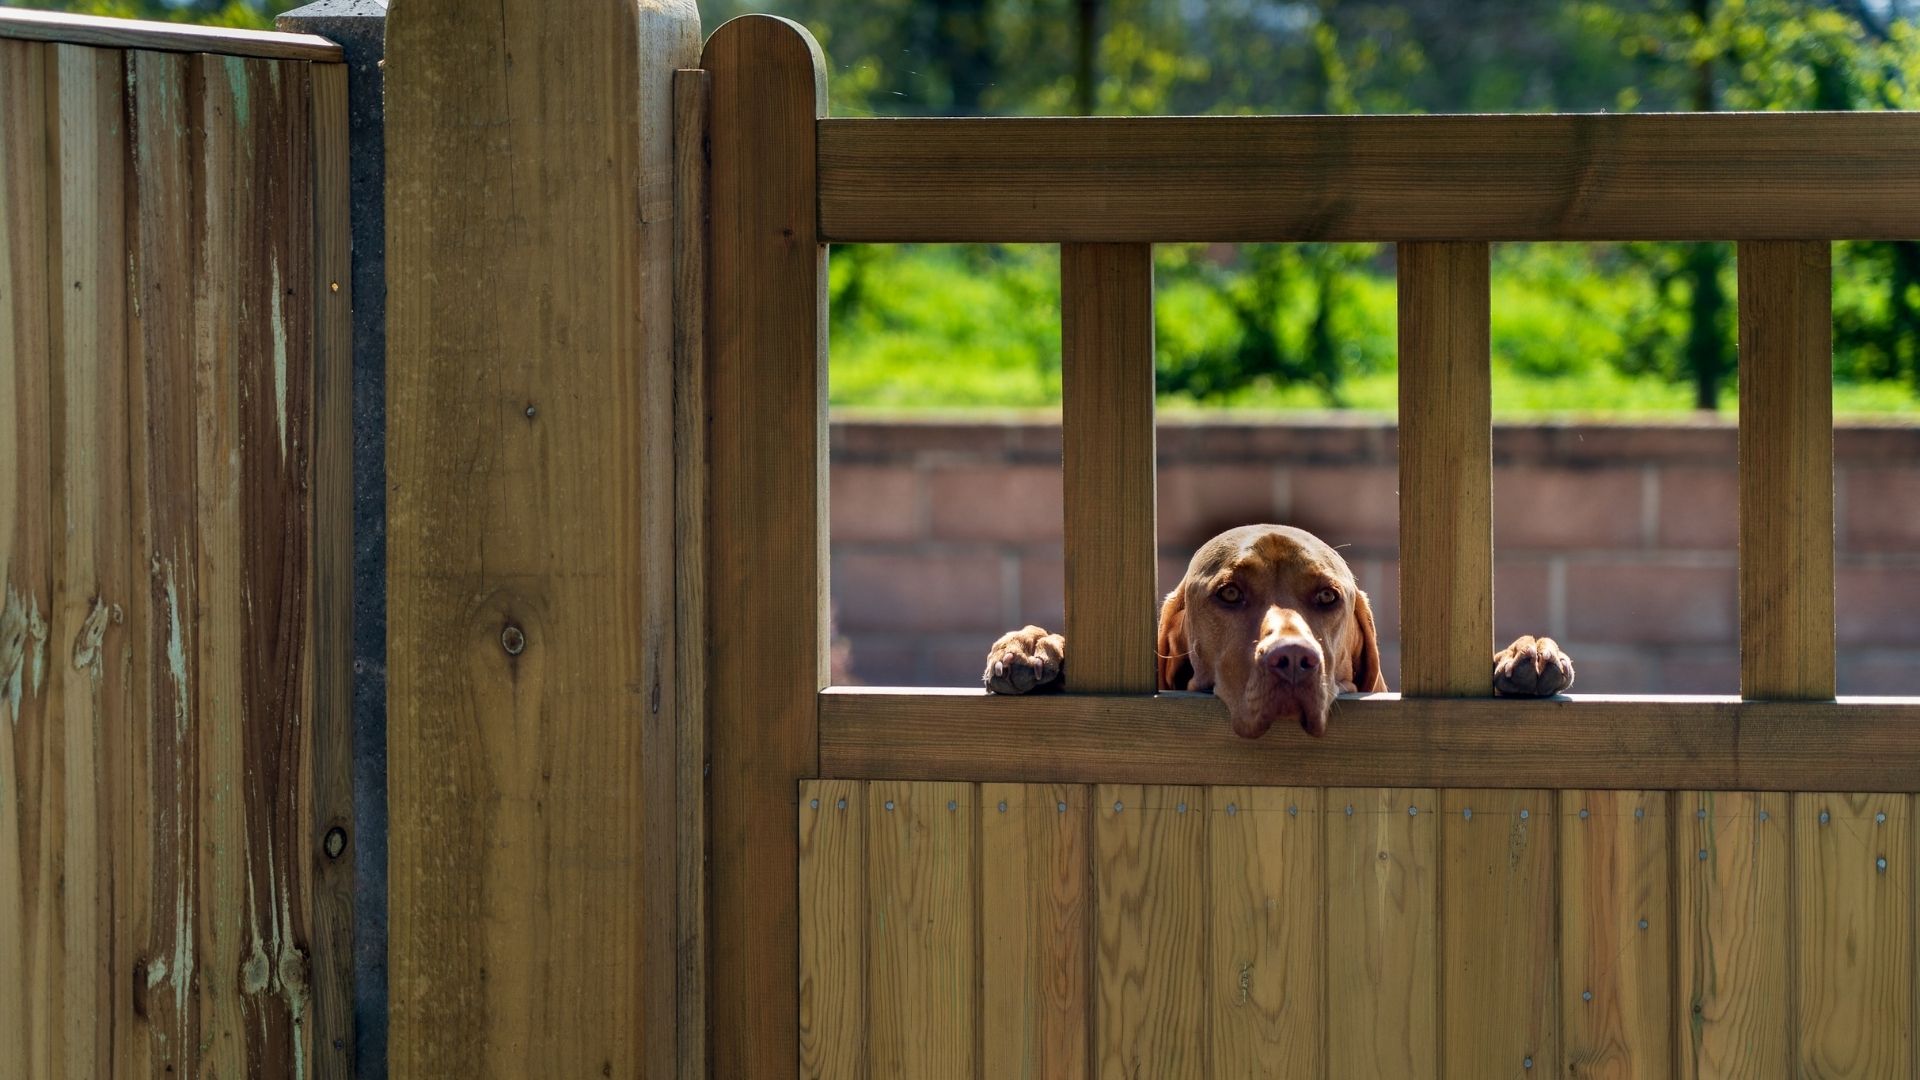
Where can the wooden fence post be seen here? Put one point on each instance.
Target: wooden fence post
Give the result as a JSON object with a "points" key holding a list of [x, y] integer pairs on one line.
{"points": [[531, 733]]}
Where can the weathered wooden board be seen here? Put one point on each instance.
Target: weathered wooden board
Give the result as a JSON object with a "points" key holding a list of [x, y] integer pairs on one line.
{"points": [[141, 34], [1383, 934], [923, 1008], [531, 579], [1150, 959], [1731, 945], [1267, 966], [833, 914], [1616, 935], [1035, 903], [1499, 966]]}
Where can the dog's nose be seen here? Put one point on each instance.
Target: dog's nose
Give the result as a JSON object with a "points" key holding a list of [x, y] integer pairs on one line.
{"points": [[1292, 659]]}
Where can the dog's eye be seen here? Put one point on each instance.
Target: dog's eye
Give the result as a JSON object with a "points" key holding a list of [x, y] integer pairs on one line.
{"points": [[1327, 597], [1228, 594]]}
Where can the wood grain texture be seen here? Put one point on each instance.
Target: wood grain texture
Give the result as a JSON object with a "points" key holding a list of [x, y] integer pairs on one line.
{"points": [[532, 748], [766, 520], [1616, 935], [1853, 934], [1035, 904], [1267, 968], [28, 907], [1446, 472], [89, 720], [1150, 952], [1499, 956], [1732, 984], [1383, 933], [833, 929], [1786, 470], [1581, 741], [1106, 380], [922, 1008], [113, 34], [1375, 178], [332, 471], [690, 93]]}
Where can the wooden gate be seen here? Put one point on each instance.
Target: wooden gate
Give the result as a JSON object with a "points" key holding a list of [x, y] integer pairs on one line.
{"points": [[1108, 882]]}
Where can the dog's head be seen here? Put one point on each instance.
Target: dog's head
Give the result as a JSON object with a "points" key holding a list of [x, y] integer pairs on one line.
{"points": [[1269, 619]]}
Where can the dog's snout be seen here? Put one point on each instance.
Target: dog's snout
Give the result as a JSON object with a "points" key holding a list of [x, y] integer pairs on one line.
{"points": [[1294, 660]]}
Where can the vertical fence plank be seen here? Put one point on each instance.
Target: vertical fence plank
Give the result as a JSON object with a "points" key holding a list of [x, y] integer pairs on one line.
{"points": [[1034, 1006], [1853, 893], [1106, 421], [1383, 933], [1267, 967], [163, 248], [921, 893], [1499, 980], [1786, 470], [766, 520], [1446, 472], [1731, 947], [531, 735], [690, 93], [27, 811], [90, 677], [1150, 865], [833, 921], [1615, 934]]}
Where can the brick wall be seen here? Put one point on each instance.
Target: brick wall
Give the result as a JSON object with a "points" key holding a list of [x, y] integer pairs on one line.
{"points": [[1619, 541]]}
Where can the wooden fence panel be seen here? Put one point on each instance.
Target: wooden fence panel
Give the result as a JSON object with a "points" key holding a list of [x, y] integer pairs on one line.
{"points": [[1383, 934], [1267, 967], [1616, 934], [1150, 873], [1731, 945], [1499, 977], [923, 986], [1853, 965], [1034, 932], [833, 906]]}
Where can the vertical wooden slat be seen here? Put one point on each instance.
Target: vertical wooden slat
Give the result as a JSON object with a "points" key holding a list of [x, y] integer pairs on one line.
{"points": [[532, 754], [833, 922], [1853, 933], [1106, 416], [89, 681], [1786, 470], [1731, 983], [1499, 962], [766, 521], [1034, 906], [165, 557], [1150, 953], [690, 94], [333, 831], [1615, 935], [28, 908], [221, 260], [1383, 933], [1267, 966], [921, 920], [1446, 472]]}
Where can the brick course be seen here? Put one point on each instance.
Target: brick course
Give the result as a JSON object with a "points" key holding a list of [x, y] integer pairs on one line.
{"points": [[1619, 540]]}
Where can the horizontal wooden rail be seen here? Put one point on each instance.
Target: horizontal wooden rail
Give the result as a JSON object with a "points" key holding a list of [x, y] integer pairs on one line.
{"points": [[58, 26], [1698, 743], [1725, 176]]}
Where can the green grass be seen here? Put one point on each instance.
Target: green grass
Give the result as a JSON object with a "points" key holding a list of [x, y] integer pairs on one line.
{"points": [[945, 328]]}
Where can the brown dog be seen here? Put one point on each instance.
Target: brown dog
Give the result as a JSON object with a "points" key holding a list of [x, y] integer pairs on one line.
{"points": [[1269, 619]]}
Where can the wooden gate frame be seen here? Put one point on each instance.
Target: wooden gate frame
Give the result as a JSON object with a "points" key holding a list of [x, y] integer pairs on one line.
{"points": [[782, 181]]}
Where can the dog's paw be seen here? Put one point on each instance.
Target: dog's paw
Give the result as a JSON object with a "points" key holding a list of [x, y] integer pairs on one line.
{"points": [[1026, 660], [1532, 667]]}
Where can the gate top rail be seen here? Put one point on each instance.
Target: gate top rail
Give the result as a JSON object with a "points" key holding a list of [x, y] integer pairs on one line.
{"points": [[61, 28], [1590, 177]]}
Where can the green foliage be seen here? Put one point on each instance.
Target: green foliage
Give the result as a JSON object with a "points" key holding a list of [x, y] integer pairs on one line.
{"points": [[238, 14]]}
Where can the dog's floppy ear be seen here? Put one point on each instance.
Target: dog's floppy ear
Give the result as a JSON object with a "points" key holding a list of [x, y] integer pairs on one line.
{"points": [[1175, 668], [1367, 676]]}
